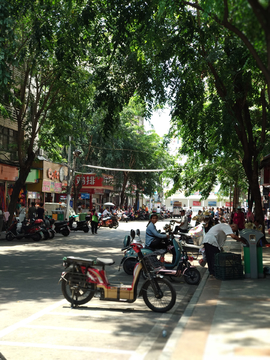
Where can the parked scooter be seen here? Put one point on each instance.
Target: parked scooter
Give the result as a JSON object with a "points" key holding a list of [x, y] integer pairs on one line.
{"points": [[45, 227], [61, 227], [108, 221], [83, 280], [179, 265], [79, 225], [25, 230]]}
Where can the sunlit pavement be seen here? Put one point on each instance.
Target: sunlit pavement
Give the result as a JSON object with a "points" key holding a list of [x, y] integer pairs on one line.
{"points": [[37, 323]]}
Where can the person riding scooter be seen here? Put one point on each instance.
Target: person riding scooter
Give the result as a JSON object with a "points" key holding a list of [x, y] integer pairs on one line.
{"points": [[154, 239], [183, 227]]}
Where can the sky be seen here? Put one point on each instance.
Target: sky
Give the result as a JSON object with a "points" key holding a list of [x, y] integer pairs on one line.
{"points": [[161, 122]]}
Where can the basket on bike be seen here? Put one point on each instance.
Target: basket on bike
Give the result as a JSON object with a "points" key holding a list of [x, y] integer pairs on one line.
{"points": [[152, 262]]}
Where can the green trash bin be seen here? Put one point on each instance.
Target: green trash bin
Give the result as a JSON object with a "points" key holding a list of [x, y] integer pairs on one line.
{"points": [[59, 214], [82, 216], [247, 260]]}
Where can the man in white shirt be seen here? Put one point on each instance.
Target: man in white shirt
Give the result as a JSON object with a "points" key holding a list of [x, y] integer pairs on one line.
{"points": [[106, 212], [214, 241]]}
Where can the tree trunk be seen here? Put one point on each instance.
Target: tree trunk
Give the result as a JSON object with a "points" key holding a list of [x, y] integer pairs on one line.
{"points": [[76, 191], [235, 196], [125, 173], [19, 184], [250, 198], [137, 199]]}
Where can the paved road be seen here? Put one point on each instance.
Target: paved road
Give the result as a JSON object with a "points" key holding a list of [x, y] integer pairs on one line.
{"points": [[37, 323]]}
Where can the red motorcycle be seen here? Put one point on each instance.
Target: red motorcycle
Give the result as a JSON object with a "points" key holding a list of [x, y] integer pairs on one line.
{"points": [[82, 280], [25, 230], [108, 221]]}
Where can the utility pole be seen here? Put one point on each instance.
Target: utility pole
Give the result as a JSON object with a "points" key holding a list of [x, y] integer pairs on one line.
{"points": [[68, 180]]}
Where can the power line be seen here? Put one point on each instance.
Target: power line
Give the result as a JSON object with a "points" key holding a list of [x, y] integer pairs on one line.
{"points": [[128, 170]]}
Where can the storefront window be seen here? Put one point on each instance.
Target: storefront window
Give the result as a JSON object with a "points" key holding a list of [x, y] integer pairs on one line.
{"points": [[8, 140]]}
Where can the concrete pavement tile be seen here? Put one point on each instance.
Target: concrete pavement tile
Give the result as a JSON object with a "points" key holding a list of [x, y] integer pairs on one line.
{"points": [[194, 337]]}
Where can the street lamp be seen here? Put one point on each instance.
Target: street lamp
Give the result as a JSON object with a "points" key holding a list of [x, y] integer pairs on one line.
{"points": [[71, 173]]}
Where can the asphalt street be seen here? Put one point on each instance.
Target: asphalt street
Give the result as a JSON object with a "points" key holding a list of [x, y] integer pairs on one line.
{"points": [[38, 323]]}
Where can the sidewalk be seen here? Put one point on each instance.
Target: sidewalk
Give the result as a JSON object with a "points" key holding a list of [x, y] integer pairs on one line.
{"points": [[225, 319]]}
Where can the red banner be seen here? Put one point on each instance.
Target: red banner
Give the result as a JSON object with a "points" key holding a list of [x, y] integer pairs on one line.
{"points": [[90, 181], [197, 203]]}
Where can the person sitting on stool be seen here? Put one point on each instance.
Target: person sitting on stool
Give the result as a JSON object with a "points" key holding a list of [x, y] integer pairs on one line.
{"points": [[183, 227]]}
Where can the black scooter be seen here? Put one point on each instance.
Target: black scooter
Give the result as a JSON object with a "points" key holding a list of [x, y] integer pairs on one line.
{"points": [[60, 227], [79, 225]]}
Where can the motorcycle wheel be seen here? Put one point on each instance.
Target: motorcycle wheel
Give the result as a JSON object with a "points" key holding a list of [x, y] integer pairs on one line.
{"points": [[176, 279], [51, 233], [86, 229], [192, 276], [111, 226], [65, 232], [115, 226], [81, 294], [166, 300], [129, 265], [36, 237], [46, 234], [10, 236]]}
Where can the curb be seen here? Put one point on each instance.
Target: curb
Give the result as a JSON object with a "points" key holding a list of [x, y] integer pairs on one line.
{"points": [[176, 334]]}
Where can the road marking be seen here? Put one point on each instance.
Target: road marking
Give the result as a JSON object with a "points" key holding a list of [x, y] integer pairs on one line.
{"points": [[60, 328], [149, 340], [63, 347], [31, 318], [92, 314]]}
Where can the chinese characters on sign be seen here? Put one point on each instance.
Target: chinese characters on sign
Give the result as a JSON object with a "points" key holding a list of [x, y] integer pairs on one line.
{"points": [[86, 180]]}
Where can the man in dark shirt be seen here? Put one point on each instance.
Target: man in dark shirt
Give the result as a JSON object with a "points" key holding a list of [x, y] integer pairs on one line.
{"points": [[40, 211], [32, 211]]}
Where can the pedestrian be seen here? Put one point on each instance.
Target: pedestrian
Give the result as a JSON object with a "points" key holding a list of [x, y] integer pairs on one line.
{"points": [[22, 213], [189, 214], [94, 221], [232, 215], [18, 207], [250, 216], [32, 211], [239, 218], [1, 219], [40, 211], [208, 221], [214, 241], [268, 218]]}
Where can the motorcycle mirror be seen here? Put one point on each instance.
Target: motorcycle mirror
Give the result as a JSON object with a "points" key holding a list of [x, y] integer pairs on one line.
{"points": [[132, 234], [138, 232]]}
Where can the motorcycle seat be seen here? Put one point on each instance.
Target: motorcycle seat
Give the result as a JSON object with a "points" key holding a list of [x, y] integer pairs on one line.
{"points": [[102, 261], [80, 223], [82, 261], [60, 223]]}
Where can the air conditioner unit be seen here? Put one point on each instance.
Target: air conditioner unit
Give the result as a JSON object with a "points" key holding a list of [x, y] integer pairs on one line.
{"points": [[40, 152]]}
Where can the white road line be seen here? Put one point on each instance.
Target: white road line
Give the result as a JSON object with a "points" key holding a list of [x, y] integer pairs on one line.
{"points": [[91, 314], [151, 337], [60, 328], [63, 347], [31, 318]]}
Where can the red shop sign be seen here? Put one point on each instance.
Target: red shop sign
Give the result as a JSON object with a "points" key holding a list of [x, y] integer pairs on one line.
{"points": [[90, 181]]}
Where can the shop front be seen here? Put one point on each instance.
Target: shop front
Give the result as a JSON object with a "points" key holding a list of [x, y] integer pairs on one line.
{"points": [[8, 175], [50, 184], [95, 190]]}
